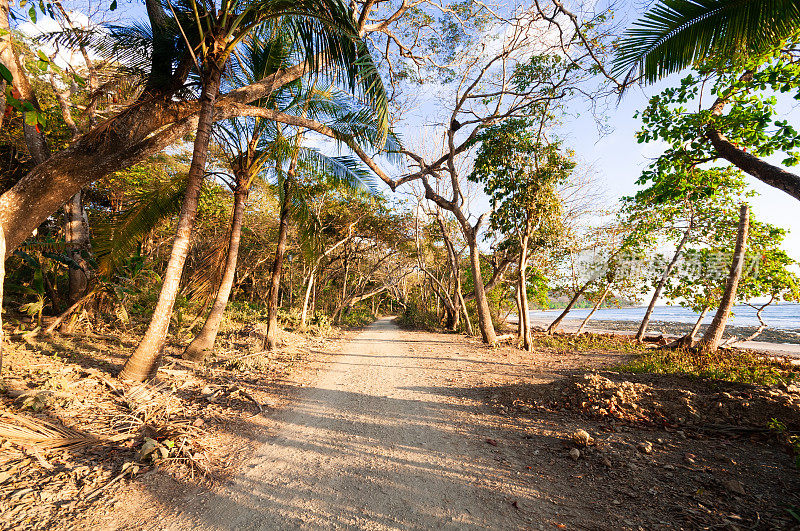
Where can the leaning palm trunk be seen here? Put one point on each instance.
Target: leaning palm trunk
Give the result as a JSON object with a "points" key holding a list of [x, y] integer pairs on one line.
{"points": [[204, 341], [271, 338], [713, 335], [594, 308], [662, 281], [143, 362]]}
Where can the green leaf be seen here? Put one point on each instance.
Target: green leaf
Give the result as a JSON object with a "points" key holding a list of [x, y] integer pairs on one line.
{"points": [[675, 33], [6, 74], [42, 56], [113, 5], [32, 14], [79, 80], [31, 118]]}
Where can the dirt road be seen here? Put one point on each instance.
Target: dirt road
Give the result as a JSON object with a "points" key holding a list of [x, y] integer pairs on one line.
{"points": [[375, 445]]}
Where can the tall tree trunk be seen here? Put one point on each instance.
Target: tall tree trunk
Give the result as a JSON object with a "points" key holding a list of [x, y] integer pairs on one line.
{"points": [[456, 302], [594, 308], [313, 274], [524, 318], [204, 341], [663, 280], [555, 324], [271, 339], [76, 224], [34, 138], [697, 324], [304, 313], [713, 335], [520, 324], [484, 315], [144, 361], [463, 304], [77, 237]]}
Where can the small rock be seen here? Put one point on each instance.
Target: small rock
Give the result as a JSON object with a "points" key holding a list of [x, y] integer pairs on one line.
{"points": [[646, 447], [669, 467], [607, 462], [575, 454], [582, 438], [734, 486]]}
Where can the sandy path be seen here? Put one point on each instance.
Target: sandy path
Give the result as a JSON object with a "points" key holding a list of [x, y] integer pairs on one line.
{"points": [[371, 446]]}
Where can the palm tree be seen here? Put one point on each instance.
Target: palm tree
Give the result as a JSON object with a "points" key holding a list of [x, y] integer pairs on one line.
{"points": [[258, 147], [674, 34], [245, 165], [326, 31]]}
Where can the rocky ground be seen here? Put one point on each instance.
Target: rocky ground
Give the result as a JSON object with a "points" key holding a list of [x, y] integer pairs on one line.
{"points": [[552, 438]]}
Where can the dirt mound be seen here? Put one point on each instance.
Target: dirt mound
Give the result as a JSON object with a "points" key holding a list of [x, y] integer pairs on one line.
{"points": [[673, 401]]}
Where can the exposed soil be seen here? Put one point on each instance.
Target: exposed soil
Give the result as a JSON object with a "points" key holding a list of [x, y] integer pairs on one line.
{"points": [[195, 422], [411, 430]]}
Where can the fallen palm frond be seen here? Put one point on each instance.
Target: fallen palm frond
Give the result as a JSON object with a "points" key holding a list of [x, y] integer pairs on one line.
{"points": [[36, 433]]}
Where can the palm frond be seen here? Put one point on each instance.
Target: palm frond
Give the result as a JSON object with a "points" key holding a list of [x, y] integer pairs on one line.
{"points": [[341, 171], [117, 237], [674, 34], [35, 433]]}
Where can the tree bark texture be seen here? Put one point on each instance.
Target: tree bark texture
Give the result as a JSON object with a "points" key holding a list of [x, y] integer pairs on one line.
{"points": [[204, 341], [713, 335], [271, 338], [143, 129], [144, 361], [77, 237], [522, 286], [484, 315]]}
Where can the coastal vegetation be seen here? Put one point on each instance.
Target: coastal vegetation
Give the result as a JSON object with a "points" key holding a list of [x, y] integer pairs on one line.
{"points": [[213, 192]]}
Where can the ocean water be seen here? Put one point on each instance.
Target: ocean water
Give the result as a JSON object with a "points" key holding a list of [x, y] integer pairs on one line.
{"points": [[777, 316]]}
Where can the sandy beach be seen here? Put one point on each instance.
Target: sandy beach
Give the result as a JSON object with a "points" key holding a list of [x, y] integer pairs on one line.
{"points": [[774, 341]]}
